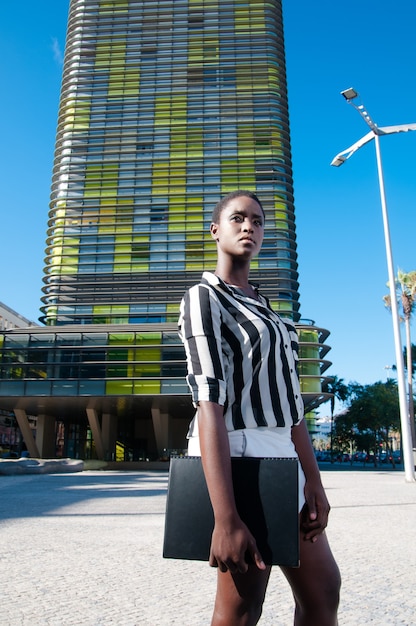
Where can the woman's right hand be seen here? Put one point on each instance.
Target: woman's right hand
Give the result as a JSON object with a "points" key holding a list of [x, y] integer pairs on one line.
{"points": [[231, 544]]}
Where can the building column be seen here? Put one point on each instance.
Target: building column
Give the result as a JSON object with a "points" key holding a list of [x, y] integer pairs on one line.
{"points": [[45, 436], [109, 432], [96, 433], [160, 418], [27, 433]]}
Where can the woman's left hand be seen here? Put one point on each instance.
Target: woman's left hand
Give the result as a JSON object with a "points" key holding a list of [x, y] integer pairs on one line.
{"points": [[314, 515]]}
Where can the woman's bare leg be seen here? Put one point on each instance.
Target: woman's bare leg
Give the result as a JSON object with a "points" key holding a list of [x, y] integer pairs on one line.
{"points": [[315, 584], [240, 597]]}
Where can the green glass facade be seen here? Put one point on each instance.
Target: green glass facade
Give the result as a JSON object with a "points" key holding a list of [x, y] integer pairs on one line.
{"points": [[108, 361], [131, 376], [119, 360], [165, 106]]}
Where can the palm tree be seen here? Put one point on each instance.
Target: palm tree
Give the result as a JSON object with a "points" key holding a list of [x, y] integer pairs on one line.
{"points": [[413, 357], [406, 296], [339, 391]]}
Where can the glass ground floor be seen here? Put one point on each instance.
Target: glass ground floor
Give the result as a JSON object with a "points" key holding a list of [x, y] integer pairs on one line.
{"points": [[114, 392]]}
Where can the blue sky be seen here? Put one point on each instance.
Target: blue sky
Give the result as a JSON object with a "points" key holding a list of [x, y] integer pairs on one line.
{"points": [[342, 261]]}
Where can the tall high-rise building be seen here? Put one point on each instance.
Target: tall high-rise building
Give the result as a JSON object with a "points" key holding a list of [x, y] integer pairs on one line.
{"points": [[166, 105]]}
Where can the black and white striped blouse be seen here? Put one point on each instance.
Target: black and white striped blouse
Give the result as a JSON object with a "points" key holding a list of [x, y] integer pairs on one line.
{"points": [[241, 355]]}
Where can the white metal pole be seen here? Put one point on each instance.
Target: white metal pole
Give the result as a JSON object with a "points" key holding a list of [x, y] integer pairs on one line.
{"points": [[404, 413]]}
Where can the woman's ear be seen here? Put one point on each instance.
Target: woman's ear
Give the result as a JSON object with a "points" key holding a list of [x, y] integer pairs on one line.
{"points": [[214, 231]]}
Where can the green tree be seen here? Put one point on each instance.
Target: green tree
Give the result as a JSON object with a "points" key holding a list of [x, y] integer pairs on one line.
{"points": [[339, 391], [405, 288], [345, 435], [337, 388], [373, 413]]}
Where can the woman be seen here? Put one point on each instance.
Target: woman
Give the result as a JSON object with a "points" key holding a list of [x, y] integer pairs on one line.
{"points": [[242, 373]]}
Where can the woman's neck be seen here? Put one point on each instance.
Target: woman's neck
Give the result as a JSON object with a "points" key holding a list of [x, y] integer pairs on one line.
{"points": [[237, 276], [240, 282]]}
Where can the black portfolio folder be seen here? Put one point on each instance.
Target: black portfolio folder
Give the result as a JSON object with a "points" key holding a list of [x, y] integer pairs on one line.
{"points": [[266, 493]]}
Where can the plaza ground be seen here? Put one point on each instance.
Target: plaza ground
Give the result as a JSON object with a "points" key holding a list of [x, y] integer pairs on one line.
{"points": [[85, 549]]}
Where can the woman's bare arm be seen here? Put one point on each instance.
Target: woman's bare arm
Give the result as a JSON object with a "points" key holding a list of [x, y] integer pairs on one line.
{"points": [[231, 538], [315, 516]]}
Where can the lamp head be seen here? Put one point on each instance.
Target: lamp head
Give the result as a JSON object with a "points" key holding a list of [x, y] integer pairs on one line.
{"points": [[338, 160], [349, 94]]}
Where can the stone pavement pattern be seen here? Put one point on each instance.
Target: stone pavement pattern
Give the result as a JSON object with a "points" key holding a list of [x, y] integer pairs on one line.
{"points": [[85, 550]]}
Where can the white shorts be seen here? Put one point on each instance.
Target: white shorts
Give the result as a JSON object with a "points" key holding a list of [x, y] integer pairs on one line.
{"points": [[259, 442]]}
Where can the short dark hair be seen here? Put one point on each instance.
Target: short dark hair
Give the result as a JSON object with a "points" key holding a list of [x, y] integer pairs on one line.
{"points": [[230, 196]]}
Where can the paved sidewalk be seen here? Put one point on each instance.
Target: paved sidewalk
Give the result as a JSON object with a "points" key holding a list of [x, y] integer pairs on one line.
{"points": [[85, 550]]}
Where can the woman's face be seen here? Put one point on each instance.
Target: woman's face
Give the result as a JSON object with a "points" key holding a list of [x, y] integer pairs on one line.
{"points": [[240, 230]]}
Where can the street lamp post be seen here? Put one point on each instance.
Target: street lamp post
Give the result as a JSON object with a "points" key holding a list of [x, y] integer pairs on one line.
{"points": [[339, 159], [388, 367]]}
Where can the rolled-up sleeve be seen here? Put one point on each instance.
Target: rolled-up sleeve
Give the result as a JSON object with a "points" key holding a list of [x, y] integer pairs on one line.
{"points": [[295, 384], [294, 340], [200, 332]]}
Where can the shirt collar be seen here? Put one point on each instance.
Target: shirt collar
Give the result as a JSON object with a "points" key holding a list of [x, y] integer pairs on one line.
{"points": [[216, 281]]}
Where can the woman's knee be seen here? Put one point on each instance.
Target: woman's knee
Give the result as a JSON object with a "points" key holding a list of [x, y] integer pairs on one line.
{"points": [[316, 583], [238, 611], [321, 597], [240, 598], [330, 588]]}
